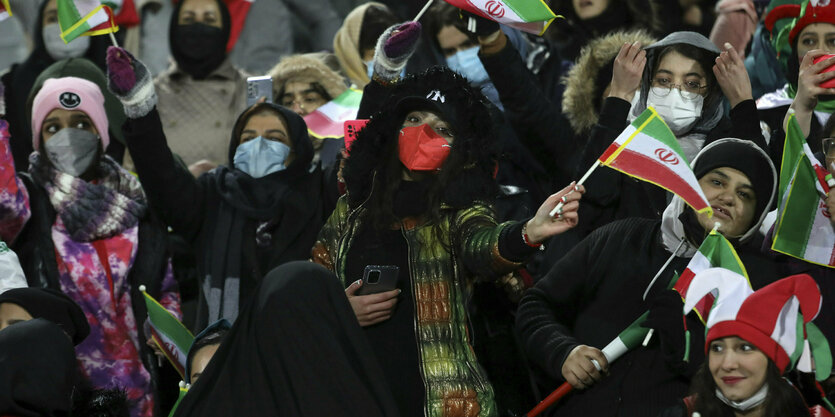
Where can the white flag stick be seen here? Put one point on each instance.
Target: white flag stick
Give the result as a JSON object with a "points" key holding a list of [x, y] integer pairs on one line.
{"points": [[422, 11], [113, 39], [582, 180]]}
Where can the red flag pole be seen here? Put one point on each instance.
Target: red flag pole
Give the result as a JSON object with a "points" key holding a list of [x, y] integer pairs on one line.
{"points": [[551, 399]]}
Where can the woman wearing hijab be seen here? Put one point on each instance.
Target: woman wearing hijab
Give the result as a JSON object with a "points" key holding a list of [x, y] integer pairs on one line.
{"points": [[48, 47], [354, 42], [606, 281], [686, 79], [751, 342], [244, 219], [81, 224], [420, 188]]}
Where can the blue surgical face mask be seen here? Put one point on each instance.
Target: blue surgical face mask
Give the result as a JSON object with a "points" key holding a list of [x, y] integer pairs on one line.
{"points": [[260, 157], [466, 63]]}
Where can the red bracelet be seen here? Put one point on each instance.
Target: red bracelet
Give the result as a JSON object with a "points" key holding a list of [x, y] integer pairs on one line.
{"points": [[527, 239]]}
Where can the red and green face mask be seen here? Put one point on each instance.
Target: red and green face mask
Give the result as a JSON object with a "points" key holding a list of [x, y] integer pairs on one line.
{"points": [[421, 149]]}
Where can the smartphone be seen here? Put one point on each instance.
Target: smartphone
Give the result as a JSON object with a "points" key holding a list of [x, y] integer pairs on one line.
{"points": [[830, 83], [257, 87], [378, 278]]}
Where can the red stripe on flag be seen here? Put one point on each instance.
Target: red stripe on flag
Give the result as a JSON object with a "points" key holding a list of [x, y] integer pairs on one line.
{"points": [[171, 352], [683, 282], [704, 305], [609, 151], [323, 126], [650, 169]]}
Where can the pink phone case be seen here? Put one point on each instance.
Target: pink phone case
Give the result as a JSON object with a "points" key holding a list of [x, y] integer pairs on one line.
{"points": [[831, 82]]}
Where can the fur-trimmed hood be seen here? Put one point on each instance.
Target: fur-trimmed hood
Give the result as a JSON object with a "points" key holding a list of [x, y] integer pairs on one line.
{"points": [[583, 90], [306, 68]]}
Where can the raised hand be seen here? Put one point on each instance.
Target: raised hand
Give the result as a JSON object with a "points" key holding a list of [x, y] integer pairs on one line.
{"points": [[394, 48], [542, 225], [130, 81], [627, 71], [732, 76]]}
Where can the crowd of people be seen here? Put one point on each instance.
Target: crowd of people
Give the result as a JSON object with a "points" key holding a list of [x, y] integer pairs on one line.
{"points": [[439, 260]]}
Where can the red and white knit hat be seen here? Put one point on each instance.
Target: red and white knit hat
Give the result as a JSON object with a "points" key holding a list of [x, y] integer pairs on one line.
{"points": [[811, 11], [768, 318]]}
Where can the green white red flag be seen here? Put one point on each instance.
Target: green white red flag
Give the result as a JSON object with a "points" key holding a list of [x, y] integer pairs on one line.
{"points": [[328, 120], [180, 396], [532, 16], [715, 252], [86, 18], [648, 150], [169, 334], [803, 228]]}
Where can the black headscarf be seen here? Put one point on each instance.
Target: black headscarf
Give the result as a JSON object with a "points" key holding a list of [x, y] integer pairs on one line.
{"points": [[201, 54], [37, 370], [286, 204], [53, 305], [295, 350]]}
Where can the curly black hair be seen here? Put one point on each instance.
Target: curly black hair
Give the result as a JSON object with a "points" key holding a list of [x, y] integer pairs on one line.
{"points": [[373, 170]]}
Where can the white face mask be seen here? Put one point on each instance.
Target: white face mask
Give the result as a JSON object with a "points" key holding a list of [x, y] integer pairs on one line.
{"points": [[679, 114], [57, 49]]}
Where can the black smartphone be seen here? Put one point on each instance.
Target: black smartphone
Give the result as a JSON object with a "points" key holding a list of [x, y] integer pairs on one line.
{"points": [[378, 278]]}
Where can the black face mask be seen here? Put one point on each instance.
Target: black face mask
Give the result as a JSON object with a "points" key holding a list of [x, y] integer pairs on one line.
{"points": [[198, 48]]}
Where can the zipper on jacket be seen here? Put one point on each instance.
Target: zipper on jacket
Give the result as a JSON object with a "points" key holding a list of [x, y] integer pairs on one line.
{"points": [[415, 323]]}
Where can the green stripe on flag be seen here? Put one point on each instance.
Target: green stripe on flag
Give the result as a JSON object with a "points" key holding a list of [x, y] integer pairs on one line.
{"points": [[531, 10], [634, 335], [639, 124], [792, 150], [350, 98], [797, 215]]}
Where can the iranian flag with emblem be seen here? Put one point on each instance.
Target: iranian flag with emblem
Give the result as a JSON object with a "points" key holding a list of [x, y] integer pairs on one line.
{"points": [[532, 16], [169, 334], [803, 228], [649, 151], [715, 252]]}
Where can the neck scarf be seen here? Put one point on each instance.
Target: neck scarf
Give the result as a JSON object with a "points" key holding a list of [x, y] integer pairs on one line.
{"points": [[92, 211]]}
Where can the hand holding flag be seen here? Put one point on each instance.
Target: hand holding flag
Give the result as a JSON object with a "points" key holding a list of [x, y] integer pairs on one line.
{"points": [[170, 335]]}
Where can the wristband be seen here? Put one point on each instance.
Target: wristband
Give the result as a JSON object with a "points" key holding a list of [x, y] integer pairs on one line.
{"points": [[527, 239]]}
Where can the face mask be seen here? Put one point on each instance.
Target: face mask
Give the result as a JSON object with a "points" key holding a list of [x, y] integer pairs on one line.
{"points": [[745, 405], [57, 49], [72, 151], [421, 149], [679, 114], [466, 63], [198, 48], [260, 157]]}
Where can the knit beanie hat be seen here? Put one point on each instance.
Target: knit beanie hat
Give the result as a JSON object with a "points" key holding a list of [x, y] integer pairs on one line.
{"points": [[69, 93], [805, 14], [746, 157], [52, 305], [776, 318]]}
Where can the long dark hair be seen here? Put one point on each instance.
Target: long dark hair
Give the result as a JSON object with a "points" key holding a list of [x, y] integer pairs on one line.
{"points": [[783, 400], [373, 170]]}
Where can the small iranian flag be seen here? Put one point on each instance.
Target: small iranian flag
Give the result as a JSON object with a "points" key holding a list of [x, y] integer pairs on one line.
{"points": [[328, 120], [85, 18], [715, 252], [532, 16], [5, 10], [180, 396], [649, 151], [803, 228], [172, 337]]}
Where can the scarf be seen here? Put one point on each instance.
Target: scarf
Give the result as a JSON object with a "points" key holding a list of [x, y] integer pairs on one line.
{"points": [[92, 210]]}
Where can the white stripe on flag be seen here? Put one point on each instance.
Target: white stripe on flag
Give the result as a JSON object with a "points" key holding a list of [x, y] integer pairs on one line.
{"points": [[819, 248]]}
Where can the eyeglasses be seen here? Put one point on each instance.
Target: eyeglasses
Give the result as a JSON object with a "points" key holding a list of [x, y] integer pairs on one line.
{"points": [[689, 90]]}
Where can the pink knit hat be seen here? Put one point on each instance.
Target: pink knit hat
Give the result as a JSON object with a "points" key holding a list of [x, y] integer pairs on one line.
{"points": [[69, 93]]}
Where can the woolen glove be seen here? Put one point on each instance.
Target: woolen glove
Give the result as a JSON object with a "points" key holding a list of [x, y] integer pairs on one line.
{"points": [[478, 25], [130, 81], [394, 47], [665, 316], [2, 100]]}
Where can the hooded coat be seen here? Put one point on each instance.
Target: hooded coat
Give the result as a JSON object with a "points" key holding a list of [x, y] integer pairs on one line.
{"points": [[582, 300], [612, 195], [20, 79], [240, 227]]}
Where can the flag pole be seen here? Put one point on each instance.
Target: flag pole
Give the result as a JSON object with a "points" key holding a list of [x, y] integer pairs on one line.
{"points": [[113, 39], [582, 180], [555, 396], [422, 11]]}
